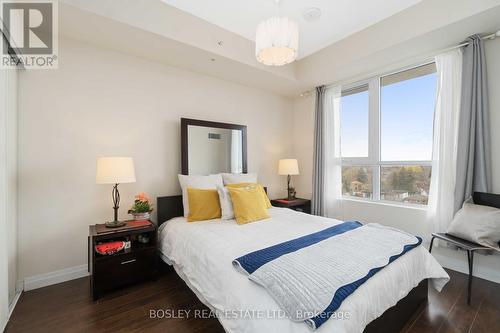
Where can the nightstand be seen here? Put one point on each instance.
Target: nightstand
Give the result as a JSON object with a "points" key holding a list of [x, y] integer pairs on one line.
{"points": [[137, 263], [300, 205]]}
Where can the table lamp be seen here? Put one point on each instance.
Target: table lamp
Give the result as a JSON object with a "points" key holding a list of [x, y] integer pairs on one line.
{"points": [[289, 167], [115, 170]]}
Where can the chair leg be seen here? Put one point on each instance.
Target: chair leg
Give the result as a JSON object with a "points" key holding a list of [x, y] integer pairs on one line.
{"points": [[430, 247], [470, 258]]}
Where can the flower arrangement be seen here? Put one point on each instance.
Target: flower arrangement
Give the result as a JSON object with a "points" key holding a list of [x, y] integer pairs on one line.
{"points": [[142, 207]]}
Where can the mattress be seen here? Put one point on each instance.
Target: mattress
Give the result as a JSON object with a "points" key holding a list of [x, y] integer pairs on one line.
{"points": [[202, 254]]}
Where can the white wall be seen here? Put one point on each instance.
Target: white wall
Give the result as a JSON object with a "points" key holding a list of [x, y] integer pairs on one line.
{"points": [[410, 219], [100, 102], [303, 137], [4, 275], [8, 191], [12, 182]]}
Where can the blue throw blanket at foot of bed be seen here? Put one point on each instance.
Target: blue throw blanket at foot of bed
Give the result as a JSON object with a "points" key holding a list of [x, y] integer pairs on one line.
{"points": [[310, 277]]}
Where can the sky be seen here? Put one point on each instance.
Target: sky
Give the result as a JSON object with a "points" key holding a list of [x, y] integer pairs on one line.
{"points": [[407, 113]]}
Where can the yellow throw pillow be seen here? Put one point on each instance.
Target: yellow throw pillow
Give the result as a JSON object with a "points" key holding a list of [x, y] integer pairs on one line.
{"points": [[203, 204], [248, 204], [263, 194]]}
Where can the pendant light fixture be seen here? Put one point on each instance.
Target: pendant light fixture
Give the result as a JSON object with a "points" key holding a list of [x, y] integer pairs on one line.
{"points": [[277, 41]]}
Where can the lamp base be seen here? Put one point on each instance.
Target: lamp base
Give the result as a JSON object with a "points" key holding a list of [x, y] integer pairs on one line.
{"points": [[115, 224]]}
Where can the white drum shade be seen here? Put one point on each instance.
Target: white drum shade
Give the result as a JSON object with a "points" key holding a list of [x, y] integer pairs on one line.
{"points": [[288, 166], [115, 170], [277, 41]]}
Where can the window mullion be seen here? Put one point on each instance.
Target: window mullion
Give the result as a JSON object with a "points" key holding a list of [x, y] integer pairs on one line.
{"points": [[376, 182], [390, 163], [374, 134]]}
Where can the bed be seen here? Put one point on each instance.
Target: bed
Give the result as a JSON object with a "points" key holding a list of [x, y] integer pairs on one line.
{"points": [[202, 254]]}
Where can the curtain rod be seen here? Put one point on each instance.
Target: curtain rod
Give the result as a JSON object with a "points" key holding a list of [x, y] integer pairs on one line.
{"points": [[423, 62], [487, 37]]}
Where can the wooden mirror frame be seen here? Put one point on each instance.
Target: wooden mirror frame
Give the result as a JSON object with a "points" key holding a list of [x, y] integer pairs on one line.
{"points": [[185, 122]]}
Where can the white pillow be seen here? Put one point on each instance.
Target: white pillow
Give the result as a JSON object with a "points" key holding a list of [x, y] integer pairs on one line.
{"points": [[477, 223], [196, 181], [226, 204], [235, 178]]}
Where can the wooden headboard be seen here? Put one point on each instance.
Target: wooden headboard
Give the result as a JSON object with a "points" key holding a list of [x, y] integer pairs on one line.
{"points": [[171, 206]]}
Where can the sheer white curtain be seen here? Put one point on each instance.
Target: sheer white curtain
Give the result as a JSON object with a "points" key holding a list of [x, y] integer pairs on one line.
{"points": [[332, 160], [444, 153]]}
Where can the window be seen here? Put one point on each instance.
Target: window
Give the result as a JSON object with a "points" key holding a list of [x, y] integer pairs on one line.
{"points": [[357, 181], [406, 114], [354, 119], [405, 183], [386, 136]]}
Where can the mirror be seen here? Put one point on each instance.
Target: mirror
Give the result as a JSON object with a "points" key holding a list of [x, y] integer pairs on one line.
{"points": [[211, 147]]}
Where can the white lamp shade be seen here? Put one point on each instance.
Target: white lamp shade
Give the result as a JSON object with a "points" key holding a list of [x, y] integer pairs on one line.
{"points": [[277, 41], [288, 167], [115, 170]]}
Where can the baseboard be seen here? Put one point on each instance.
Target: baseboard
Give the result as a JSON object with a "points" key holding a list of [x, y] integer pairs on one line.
{"points": [[19, 286], [485, 266], [47, 279], [13, 304], [19, 291]]}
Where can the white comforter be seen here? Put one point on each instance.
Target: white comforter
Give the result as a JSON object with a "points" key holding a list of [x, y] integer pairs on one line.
{"points": [[202, 255]]}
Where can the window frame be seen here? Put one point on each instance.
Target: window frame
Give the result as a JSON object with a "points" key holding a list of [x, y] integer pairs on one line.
{"points": [[373, 160]]}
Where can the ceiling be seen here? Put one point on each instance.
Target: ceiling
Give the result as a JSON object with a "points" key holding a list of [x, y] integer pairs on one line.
{"points": [[163, 33], [339, 18]]}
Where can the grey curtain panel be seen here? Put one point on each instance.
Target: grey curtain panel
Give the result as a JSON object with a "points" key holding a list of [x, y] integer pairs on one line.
{"points": [[474, 146], [318, 190]]}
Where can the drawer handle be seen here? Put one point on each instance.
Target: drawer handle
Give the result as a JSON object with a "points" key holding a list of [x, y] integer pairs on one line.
{"points": [[128, 261]]}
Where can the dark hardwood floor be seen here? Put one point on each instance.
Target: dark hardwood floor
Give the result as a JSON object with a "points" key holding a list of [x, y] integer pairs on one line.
{"points": [[68, 307]]}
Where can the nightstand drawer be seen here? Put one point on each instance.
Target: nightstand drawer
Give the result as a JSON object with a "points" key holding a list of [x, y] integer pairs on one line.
{"points": [[299, 209], [124, 269]]}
